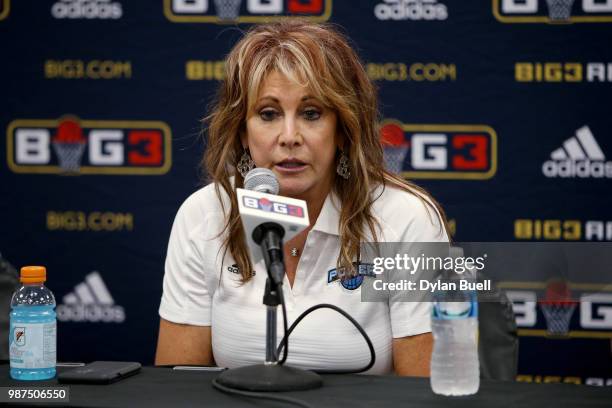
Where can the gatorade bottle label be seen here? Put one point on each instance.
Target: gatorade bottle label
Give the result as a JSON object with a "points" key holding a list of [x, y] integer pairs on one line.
{"points": [[32, 345]]}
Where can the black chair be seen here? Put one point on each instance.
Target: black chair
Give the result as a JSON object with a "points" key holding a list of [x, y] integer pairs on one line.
{"points": [[9, 281], [498, 341]]}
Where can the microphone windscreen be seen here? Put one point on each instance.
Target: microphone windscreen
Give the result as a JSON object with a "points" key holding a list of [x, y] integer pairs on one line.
{"points": [[261, 180]]}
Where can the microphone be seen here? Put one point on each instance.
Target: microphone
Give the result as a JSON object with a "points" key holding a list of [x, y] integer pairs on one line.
{"points": [[261, 180], [268, 218]]}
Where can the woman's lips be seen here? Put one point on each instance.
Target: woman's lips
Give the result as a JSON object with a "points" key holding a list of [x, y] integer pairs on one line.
{"points": [[290, 167]]}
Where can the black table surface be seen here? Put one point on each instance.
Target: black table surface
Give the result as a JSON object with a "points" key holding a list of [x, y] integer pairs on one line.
{"points": [[164, 387]]}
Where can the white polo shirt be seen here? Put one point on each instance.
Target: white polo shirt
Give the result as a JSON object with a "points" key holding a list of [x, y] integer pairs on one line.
{"points": [[202, 288]]}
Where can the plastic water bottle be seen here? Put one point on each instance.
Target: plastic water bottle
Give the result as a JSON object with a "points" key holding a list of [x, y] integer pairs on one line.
{"points": [[454, 363], [33, 327]]}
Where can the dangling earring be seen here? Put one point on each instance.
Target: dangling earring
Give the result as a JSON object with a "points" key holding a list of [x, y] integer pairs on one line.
{"points": [[343, 169], [245, 164]]}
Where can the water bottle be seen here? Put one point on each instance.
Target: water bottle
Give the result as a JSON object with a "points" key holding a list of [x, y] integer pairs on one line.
{"points": [[33, 327], [454, 362]]}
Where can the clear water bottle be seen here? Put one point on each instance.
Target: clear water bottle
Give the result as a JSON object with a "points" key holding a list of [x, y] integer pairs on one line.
{"points": [[454, 363], [33, 327]]}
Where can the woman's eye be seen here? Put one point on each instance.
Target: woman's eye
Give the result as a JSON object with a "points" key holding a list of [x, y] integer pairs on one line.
{"points": [[267, 115], [312, 114]]}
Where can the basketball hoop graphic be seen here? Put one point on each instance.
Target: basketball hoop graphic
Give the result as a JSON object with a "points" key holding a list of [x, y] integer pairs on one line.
{"points": [[558, 307], [559, 11], [69, 144], [228, 9], [395, 147]]}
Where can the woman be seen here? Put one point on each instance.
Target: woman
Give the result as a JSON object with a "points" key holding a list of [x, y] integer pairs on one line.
{"points": [[297, 100]]}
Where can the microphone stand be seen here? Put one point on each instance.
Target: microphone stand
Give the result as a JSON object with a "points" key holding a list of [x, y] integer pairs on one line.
{"points": [[270, 376], [272, 301]]}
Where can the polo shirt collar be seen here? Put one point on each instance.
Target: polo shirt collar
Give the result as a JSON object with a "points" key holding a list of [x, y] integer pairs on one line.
{"points": [[329, 217]]}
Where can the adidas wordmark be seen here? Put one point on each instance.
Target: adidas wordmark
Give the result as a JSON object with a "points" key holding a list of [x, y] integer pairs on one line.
{"points": [[579, 156], [90, 302]]}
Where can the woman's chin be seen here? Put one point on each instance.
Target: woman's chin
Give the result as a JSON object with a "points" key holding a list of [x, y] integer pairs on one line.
{"points": [[292, 188]]}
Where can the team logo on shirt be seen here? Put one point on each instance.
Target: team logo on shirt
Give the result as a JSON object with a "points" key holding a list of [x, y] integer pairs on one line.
{"points": [[234, 268], [351, 282]]}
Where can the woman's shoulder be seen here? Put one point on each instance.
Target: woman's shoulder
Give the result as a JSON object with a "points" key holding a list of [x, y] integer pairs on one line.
{"points": [[392, 202], [204, 203], [407, 215]]}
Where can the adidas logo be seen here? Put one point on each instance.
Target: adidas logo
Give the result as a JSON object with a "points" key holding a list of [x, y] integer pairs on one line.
{"points": [[90, 302], [411, 10], [87, 9], [580, 156]]}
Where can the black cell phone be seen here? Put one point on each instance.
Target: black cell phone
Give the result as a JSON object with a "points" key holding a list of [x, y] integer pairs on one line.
{"points": [[99, 372]]}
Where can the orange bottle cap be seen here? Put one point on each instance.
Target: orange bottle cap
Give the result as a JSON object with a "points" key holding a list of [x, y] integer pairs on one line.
{"points": [[33, 274]]}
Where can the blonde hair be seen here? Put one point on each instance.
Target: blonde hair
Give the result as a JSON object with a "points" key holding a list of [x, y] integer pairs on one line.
{"points": [[319, 56]]}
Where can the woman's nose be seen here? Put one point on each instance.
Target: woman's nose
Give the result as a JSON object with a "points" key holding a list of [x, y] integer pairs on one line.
{"points": [[290, 135]]}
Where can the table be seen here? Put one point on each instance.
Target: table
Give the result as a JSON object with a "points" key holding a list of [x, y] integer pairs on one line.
{"points": [[164, 387]]}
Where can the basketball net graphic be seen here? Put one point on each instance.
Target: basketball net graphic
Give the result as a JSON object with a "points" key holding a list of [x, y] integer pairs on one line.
{"points": [[558, 307], [395, 147], [69, 144], [559, 11], [228, 9]]}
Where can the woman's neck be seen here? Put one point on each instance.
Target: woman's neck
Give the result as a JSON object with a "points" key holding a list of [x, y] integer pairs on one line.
{"points": [[314, 209], [315, 201]]}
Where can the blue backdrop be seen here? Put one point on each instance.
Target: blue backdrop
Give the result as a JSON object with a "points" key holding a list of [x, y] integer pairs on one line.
{"points": [[501, 108]]}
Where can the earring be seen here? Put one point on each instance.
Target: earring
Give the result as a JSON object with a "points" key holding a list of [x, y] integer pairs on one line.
{"points": [[343, 169], [245, 164]]}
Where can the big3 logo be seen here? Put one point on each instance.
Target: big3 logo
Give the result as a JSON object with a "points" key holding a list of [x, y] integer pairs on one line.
{"points": [[553, 11], [249, 11], [71, 145], [439, 151]]}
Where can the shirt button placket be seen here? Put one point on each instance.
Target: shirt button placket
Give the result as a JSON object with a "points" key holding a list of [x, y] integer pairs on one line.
{"points": [[305, 264]]}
